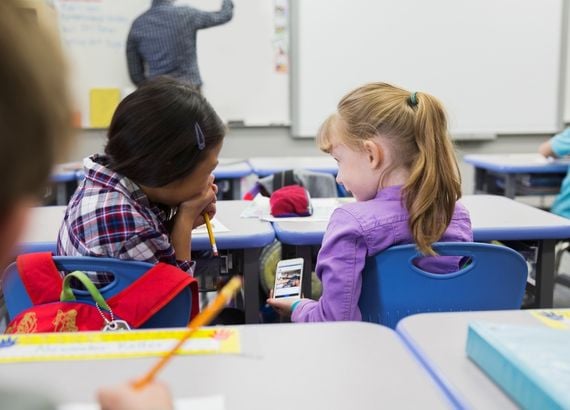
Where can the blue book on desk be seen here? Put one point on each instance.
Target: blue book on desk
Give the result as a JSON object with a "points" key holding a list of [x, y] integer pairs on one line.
{"points": [[531, 364]]}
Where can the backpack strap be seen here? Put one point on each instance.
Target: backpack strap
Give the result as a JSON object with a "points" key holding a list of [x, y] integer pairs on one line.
{"points": [[151, 292], [40, 277]]}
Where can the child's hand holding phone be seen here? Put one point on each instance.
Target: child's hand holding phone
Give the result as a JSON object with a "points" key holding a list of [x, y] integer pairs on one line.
{"points": [[287, 288]]}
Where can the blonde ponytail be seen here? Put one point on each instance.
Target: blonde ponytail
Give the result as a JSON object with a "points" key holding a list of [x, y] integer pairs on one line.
{"points": [[415, 127], [434, 185]]}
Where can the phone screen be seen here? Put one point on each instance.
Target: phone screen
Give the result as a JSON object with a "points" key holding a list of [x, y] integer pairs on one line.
{"points": [[288, 279]]}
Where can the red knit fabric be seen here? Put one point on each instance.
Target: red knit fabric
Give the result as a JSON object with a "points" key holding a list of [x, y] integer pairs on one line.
{"points": [[292, 200]]}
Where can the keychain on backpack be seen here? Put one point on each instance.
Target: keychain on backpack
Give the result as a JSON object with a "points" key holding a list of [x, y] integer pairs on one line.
{"points": [[113, 324]]}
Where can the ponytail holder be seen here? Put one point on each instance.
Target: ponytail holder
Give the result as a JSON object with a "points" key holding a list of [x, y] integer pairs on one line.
{"points": [[413, 100], [200, 138]]}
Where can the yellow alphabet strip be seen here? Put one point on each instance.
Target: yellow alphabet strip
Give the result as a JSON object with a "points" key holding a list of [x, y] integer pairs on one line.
{"points": [[114, 345]]}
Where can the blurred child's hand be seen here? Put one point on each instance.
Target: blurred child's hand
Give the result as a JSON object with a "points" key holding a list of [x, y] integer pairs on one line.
{"points": [[545, 149], [155, 396]]}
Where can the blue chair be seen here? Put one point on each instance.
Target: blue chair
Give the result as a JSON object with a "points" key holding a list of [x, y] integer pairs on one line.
{"points": [[174, 314], [393, 287]]}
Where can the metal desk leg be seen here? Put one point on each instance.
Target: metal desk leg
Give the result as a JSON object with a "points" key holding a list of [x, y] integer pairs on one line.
{"points": [[510, 186], [235, 188], [480, 181], [306, 253], [61, 193], [251, 284], [545, 274]]}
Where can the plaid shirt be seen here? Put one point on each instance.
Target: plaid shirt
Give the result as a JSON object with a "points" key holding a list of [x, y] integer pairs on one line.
{"points": [[110, 216], [163, 39]]}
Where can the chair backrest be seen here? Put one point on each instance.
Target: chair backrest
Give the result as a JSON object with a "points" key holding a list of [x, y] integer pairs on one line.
{"points": [[174, 314], [393, 287]]}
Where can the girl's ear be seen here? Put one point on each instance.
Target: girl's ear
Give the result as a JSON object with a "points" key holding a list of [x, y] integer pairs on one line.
{"points": [[374, 153]]}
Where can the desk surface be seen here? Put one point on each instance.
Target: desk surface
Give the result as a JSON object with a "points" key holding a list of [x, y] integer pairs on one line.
{"points": [[229, 168], [263, 166], [70, 171], [45, 222], [319, 366], [444, 352], [498, 217], [492, 217], [517, 163]]}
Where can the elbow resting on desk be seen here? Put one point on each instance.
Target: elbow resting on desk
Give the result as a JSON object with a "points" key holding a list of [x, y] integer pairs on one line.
{"points": [[545, 149]]}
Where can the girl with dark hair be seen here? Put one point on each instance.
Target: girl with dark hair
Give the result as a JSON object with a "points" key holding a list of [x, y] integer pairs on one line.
{"points": [[141, 200]]}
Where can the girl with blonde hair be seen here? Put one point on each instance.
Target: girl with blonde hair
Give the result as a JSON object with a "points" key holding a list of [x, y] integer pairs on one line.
{"points": [[395, 156]]}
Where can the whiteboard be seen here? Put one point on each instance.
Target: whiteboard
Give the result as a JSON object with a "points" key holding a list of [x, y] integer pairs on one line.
{"points": [[495, 64], [237, 60]]}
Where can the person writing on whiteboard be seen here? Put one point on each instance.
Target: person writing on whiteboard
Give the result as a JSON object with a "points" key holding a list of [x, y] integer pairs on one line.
{"points": [[162, 40]]}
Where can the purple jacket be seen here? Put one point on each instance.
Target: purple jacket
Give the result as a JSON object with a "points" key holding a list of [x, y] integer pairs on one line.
{"points": [[361, 229]]}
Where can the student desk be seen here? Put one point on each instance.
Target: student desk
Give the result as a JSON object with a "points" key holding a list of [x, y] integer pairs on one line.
{"points": [[439, 340], [282, 366], [513, 170], [246, 236], [264, 166], [492, 218], [232, 170]]}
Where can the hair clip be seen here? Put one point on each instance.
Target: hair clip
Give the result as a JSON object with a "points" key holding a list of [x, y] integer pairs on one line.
{"points": [[200, 138], [413, 100]]}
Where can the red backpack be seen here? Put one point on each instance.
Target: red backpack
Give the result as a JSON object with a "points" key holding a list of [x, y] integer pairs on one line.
{"points": [[56, 308]]}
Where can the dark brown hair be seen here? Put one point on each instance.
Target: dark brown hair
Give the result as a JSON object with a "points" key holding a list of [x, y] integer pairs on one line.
{"points": [[152, 137], [35, 110], [415, 126]]}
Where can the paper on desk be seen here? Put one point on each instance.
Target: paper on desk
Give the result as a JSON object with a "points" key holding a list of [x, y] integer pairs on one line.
{"points": [[217, 227], [322, 210], [188, 403], [258, 207], [563, 160]]}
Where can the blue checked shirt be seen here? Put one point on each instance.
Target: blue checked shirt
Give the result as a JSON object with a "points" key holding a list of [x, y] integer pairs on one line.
{"points": [[162, 40]]}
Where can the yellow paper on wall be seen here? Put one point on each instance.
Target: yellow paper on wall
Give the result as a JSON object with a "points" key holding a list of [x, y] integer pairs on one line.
{"points": [[102, 104]]}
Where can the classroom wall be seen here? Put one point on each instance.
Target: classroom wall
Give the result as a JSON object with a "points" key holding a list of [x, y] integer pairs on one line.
{"points": [[249, 142]]}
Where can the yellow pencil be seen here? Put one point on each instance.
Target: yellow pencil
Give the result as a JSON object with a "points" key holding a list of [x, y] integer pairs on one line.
{"points": [[202, 319], [211, 234]]}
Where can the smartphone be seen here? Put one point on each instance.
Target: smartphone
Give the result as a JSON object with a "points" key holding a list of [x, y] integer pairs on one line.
{"points": [[288, 279]]}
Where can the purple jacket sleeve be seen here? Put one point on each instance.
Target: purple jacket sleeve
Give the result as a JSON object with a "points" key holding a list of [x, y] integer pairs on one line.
{"points": [[339, 266]]}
